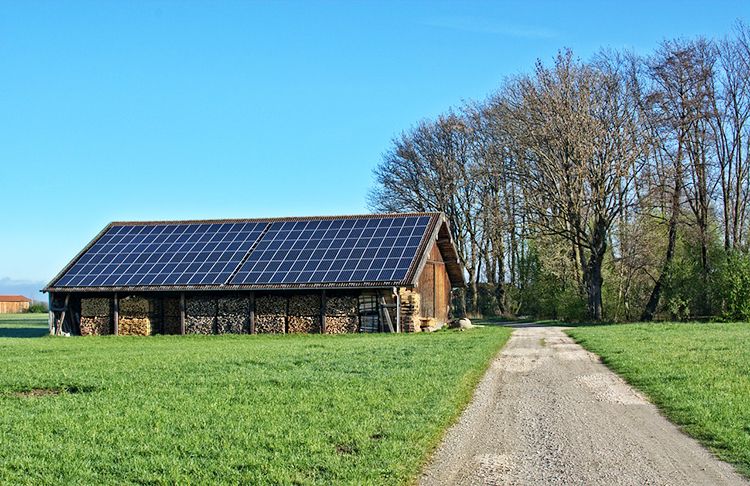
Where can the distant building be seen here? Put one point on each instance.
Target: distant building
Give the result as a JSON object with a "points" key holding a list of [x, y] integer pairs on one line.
{"points": [[10, 304]]}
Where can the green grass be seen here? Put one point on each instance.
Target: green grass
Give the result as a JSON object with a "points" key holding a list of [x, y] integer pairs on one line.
{"points": [[23, 325], [697, 374], [360, 409]]}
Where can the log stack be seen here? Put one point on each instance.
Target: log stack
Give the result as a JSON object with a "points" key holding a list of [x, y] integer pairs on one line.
{"points": [[270, 314], [136, 315], [410, 318], [200, 314], [342, 314], [304, 324], [95, 317], [234, 315], [304, 313]]}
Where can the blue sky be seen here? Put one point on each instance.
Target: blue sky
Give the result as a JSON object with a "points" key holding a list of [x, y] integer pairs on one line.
{"points": [[174, 110]]}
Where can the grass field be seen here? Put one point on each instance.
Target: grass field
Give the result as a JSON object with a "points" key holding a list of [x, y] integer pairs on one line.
{"points": [[364, 409], [698, 374]]}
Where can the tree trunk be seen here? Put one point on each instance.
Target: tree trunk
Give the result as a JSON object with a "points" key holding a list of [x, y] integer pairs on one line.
{"points": [[500, 285], [593, 272], [653, 301]]}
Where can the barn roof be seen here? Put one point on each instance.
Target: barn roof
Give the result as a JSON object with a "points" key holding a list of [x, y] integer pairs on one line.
{"points": [[359, 251], [14, 298]]}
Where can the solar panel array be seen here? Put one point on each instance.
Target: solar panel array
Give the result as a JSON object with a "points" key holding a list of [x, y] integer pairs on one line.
{"points": [[348, 250], [164, 254], [314, 251]]}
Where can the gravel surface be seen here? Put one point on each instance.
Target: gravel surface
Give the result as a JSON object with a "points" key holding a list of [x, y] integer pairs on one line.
{"points": [[548, 412]]}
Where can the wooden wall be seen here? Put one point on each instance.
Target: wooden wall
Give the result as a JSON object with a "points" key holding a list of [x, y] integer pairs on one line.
{"points": [[434, 288], [13, 307]]}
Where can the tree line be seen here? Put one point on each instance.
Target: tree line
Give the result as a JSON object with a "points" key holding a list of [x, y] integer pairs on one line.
{"points": [[611, 188]]}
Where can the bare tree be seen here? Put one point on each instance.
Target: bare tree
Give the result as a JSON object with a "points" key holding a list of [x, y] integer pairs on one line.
{"points": [[729, 119], [673, 105], [579, 129]]}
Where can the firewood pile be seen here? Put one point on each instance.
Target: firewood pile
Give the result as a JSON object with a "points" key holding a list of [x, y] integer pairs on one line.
{"points": [[341, 324], [342, 314], [270, 305], [270, 314], [134, 326], [134, 306], [304, 324], [95, 325], [96, 307], [138, 315], [304, 313], [234, 315], [304, 305], [200, 315], [410, 321], [343, 305], [199, 325], [171, 315], [272, 324], [95, 317]]}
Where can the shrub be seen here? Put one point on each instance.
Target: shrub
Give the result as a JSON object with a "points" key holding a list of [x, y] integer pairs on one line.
{"points": [[37, 307], [730, 287]]}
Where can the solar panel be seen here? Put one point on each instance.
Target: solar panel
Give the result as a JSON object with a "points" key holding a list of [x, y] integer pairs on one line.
{"points": [[164, 254], [335, 251]]}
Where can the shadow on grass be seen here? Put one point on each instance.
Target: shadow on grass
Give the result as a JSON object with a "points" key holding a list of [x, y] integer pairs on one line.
{"points": [[23, 332], [530, 322]]}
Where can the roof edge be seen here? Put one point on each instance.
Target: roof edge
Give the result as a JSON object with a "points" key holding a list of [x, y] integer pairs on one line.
{"points": [[275, 219]]}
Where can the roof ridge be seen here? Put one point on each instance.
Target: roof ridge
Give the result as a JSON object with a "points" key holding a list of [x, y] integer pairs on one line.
{"points": [[275, 219]]}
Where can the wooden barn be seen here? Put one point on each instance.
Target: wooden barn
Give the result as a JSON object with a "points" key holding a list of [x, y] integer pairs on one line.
{"points": [[12, 304], [335, 274]]}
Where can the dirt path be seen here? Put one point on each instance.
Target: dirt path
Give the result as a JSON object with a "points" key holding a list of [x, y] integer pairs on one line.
{"points": [[548, 412]]}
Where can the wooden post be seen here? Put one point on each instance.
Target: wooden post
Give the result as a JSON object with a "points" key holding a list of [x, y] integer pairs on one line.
{"points": [[397, 293], [61, 322], [182, 313], [252, 312], [323, 311], [385, 315], [116, 314], [50, 300], [286, 316]]}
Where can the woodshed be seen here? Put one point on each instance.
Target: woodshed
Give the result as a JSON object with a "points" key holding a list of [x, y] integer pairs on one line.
{"points": [[332, 274]]}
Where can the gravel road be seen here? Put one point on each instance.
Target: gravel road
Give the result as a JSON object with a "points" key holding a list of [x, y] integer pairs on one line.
{"points": [[548, 412]]}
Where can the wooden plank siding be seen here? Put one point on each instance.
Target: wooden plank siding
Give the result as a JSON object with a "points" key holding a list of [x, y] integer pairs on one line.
{"points": [[13, 307], [434, 287]]}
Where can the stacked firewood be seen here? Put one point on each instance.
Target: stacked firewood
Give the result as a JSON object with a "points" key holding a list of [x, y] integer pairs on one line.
{"points": [[410, 321], [341, 324], [234, 315], [341, 305], [270, 305], [342, 314], [171, 315], [135, 316], [95, 317], [95, 307], [200, 315], [269, 324], [304, 324], [134, 326], [270, 314], [304, 313]]}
